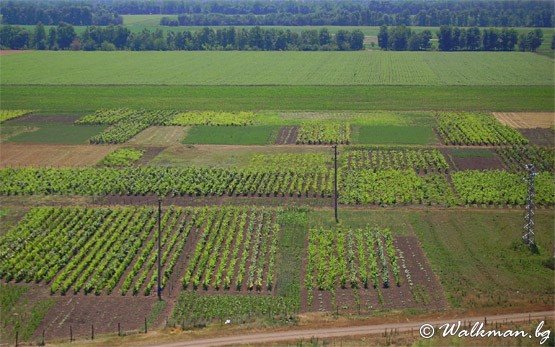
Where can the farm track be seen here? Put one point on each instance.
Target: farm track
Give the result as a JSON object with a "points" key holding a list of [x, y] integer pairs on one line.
{"points": [[360, 330]]}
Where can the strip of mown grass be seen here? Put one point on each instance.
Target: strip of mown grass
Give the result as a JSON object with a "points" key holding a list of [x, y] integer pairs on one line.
{"points": [[246, 98]]}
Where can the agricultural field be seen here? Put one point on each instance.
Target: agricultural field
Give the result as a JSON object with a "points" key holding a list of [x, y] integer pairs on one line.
{"points": [[365, 269], [529, 120], [476, 129], [474, 158], [232, 135], [278, 68], [61, 98], [238, 149], [159, 136], [49, 155], [86, 260], [122, 157]]}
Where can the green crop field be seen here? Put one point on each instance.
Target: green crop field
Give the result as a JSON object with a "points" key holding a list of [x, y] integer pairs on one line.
{"points": [[388, 134], [232, 135], [251, 98], [58, 133], [277, 68]]}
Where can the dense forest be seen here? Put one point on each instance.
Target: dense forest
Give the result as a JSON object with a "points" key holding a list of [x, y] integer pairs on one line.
{"points": [[449, 38], [481, 13], [118, 37]]}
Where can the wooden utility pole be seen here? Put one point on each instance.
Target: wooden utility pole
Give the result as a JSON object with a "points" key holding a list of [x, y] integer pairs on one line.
{"points": [[335, 182], [159, 289]]}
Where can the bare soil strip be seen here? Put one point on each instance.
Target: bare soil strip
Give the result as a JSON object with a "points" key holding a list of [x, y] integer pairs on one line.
{"points": [[149, 154], [287, 135]]}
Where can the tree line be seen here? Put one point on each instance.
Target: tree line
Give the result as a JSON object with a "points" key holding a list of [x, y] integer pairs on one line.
{"points": [[54, 13], [449, 38], [481, 13], [117, 37]]}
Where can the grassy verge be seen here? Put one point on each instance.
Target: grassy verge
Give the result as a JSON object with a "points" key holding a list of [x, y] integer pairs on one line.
{"points": [[481, 261], [244, 98], [18, 314]]}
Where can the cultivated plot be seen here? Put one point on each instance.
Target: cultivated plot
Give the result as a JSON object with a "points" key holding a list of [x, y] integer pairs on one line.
{"points": [[278, 68], [45, 155], [527, 120]]}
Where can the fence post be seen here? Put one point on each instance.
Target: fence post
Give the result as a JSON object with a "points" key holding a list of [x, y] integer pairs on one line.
{"points": [[145, 326], [92, 331], [70, 334], [16, 338], [119, 329], [43, 342]]}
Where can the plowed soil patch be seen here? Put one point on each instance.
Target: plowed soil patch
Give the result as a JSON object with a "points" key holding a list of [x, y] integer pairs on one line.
{"points": [[539, 136], [287, 135], [14, 155], [82, 312]]}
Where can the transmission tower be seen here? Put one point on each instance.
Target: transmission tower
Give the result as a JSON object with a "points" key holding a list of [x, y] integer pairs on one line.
{"points": [[528, 235]]}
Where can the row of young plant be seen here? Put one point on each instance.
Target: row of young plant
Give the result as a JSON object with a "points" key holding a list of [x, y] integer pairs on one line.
{"points": [[502, 187], [516, 157], [355, 186], [167, 117], [475, 129], [212, 118], [388, 187], [351, 258], [387, 158], [165, 181], [300, 162], [74, 248], [324, 132], [236, 250]]}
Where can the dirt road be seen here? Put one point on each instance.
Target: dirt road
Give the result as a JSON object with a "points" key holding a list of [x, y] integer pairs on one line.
{"points": [[293, 335]]}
